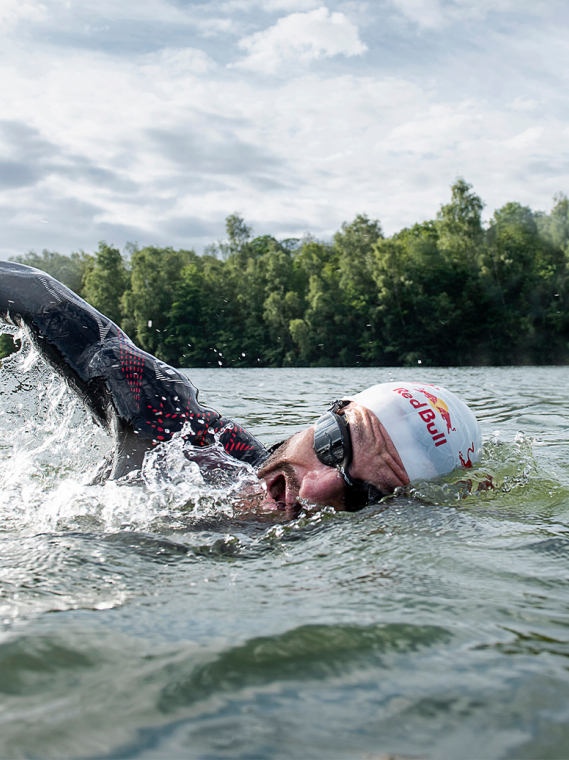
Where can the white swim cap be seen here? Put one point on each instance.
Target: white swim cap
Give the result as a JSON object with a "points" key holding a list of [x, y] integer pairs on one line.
{"points": [[433, 431]]}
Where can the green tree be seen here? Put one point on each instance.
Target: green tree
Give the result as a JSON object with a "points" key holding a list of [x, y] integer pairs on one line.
{"points": [[525, 276], [247, 274], [459, 224], [554, 227], [238, 232], [70, 270], [282, 304], [430, 300], [106, 282], [357, 310], [188, 330], [445, 291], [320, 343], [238, 235], [155, 278]]}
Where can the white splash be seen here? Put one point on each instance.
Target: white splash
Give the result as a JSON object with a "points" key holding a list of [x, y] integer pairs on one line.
{"points": [[50, 449]]}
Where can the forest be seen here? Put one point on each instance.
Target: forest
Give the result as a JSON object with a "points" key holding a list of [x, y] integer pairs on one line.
{"points": [[451, 291]]}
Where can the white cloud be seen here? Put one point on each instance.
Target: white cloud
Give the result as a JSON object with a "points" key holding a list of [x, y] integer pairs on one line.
{"points": [[435, 14], [177, 143], [230, 6], [289, 5], [525, 139], [434, 130], [426, 13], [159, 148], [524, 104], [12, 11], [212, 27], [176, 62], [302, 36], [96, 16]]}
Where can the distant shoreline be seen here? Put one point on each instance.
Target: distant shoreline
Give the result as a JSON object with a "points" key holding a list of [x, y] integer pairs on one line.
{"points": [[446, 292]]}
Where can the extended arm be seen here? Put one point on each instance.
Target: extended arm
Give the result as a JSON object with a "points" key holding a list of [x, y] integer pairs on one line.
{"points": [[140, 400]]}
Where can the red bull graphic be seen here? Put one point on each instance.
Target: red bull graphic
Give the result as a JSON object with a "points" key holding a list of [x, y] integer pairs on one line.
{"points": [[428, 415], [468, 462], [440, 406]]}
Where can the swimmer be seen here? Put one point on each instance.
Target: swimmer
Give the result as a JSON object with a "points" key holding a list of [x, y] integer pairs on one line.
{"points": [[365, 446]]}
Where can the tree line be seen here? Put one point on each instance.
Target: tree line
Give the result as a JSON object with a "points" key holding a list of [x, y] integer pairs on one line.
{"points": [[449, 291]]}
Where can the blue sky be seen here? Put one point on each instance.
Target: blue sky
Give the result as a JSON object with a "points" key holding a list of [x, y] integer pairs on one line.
{"points": [[152, 121]]}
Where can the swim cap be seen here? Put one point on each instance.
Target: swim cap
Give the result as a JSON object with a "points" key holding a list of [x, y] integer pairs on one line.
{"points": [[433, 431]]}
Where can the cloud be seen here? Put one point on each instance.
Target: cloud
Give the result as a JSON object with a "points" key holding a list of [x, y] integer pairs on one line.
{"points": [[30, 158], [289, 5], [24, 141], [221, 153], [524, 104], [525, 139], [301, 36], [17, 174], [436, 14], [230, 6], [143, 25], [149, 135], [69, 224], [176, 62], [426, 13], [547, 168], [26, 155], [12, 11], [187, 226], [98, 12], [434, 129]]}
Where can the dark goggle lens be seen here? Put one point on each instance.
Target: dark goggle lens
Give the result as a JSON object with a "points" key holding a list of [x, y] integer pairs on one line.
{"points": [[332, 443], [333, 447]]}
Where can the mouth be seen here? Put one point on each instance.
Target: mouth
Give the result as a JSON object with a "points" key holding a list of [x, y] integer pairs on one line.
{"points": [[281, 481], [277, 490], [280, 490]]}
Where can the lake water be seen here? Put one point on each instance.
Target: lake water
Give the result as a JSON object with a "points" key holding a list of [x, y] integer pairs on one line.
{"points": [[146, 620]]}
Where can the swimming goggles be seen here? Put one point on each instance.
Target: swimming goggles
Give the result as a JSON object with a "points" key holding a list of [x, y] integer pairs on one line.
{"points": [[332, 440], [333, 447]]}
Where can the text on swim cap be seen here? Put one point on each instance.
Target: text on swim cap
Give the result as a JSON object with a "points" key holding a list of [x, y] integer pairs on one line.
{"points": [[427, 415]]}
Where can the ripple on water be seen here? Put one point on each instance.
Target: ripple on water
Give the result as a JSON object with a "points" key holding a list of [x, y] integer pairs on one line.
{"points": [[148, 619]]}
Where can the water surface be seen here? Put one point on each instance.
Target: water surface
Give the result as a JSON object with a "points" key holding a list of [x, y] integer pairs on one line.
{"points": [[147, 620]]}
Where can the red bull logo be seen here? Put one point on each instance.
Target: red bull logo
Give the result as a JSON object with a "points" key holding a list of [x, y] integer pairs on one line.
{"points": [[468, 462], [428, 415], [440, 406]]}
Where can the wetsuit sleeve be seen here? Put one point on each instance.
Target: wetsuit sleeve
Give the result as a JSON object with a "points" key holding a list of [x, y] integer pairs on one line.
{"points": [[140, 400]]}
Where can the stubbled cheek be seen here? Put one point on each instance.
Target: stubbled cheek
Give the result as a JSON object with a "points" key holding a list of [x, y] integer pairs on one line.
{"points": [[323, 488]]}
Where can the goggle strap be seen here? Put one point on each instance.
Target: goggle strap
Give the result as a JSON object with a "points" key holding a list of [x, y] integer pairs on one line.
{"points": [[335, 406]]}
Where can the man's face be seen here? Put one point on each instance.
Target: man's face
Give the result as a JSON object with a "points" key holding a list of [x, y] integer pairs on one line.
{"points": [[295, 473]]}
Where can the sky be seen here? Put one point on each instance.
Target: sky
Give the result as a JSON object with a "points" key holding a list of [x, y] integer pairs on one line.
{"points": [[151, 121]]}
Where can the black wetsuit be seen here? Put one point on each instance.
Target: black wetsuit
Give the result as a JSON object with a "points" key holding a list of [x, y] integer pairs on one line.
{"points": [[139, 400]]}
